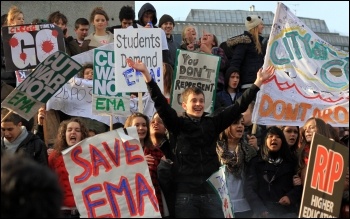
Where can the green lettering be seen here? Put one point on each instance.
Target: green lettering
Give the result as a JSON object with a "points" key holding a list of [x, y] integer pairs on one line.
{"points": [[121, 105], [16, 97], [27, 106], [100, 103]]}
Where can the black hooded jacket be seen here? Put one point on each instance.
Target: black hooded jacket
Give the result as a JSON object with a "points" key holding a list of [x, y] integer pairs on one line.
{"points": [[149, 7], [143, 9]]}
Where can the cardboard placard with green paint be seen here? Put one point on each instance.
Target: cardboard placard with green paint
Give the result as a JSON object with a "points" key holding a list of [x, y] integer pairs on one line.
{"points": [[105, 99], [49, 76]]}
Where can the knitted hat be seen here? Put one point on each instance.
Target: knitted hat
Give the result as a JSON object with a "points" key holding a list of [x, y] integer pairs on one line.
{"points": [[166, 18], [253, 21]]}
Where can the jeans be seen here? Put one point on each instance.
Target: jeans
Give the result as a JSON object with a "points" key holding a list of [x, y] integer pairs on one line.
{"points": [[198, 206]]}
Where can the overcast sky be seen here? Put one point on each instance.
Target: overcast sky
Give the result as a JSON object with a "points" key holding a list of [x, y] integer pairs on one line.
{"points": [[335, 13]]}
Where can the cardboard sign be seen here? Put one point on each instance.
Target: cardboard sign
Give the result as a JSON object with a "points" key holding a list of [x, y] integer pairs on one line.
{"points": [[109, 177], [41, 84], [26, 46], [325, 176], [195, 70]]}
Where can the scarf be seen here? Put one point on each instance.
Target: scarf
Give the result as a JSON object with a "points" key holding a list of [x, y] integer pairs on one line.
{"points": [[233, 161], [11, 147]]}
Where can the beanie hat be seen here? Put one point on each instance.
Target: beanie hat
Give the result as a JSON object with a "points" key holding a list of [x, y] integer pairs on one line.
{"points": [[166, 18], [232, 69], [253, 21]]}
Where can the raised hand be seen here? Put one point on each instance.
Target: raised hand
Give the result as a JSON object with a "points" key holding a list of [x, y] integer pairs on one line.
{"points": [[264, 74], [140, 66]]}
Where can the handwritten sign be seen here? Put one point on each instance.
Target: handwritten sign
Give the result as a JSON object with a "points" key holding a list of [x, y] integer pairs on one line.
{"points": [[195, 70], [39, 86], [139, 44], [106, 101], [325, 176], [26, 46], [311, 80], [109, 177], [218, 182]]}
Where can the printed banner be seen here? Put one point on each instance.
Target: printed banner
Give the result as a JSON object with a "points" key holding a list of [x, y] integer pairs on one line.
{"points": [[25, 46], [109, 177], [49, 76], [105, 99], [311, 80], [218, 182], [195, 70], [139, 44], [325, 176]]}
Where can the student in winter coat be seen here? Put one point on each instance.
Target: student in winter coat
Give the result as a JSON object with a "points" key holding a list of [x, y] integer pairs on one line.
{"points": [[195, 135], [248, 54], [16, 139], [269, 184]]}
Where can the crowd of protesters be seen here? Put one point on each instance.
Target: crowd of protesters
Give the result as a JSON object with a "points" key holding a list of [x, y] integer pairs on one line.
{"points": [[266, 169]]}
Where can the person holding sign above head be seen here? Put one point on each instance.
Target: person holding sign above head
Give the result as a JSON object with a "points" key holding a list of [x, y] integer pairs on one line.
{"points": [[195, 135], [269, 185], [14, 17], [153, 154], [16, 139], [101, 36], [70, 133]]}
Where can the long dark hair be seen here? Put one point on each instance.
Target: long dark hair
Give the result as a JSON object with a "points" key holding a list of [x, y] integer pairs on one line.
{"points": [[283, 152]]}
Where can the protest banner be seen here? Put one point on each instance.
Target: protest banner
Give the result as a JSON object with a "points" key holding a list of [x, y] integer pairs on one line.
{"points": [[311, 79], [218, 182], [139, 44], [109, 177], [74, 98], [25, 46], [325, 175], [105, 99], [41, 84], [195, 70]]}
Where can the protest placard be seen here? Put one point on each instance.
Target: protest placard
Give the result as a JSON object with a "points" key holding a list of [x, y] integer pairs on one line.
{"points": [[109, 177], [311, 79], [325, 175], [195, 70], [139, 44], [218, 182], [41, 84], [105, 99], [25, 46]]}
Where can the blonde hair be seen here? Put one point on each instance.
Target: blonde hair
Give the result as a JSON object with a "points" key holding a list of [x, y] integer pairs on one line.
{"points": [[255, 32], [183, 34], [12, 14]]}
